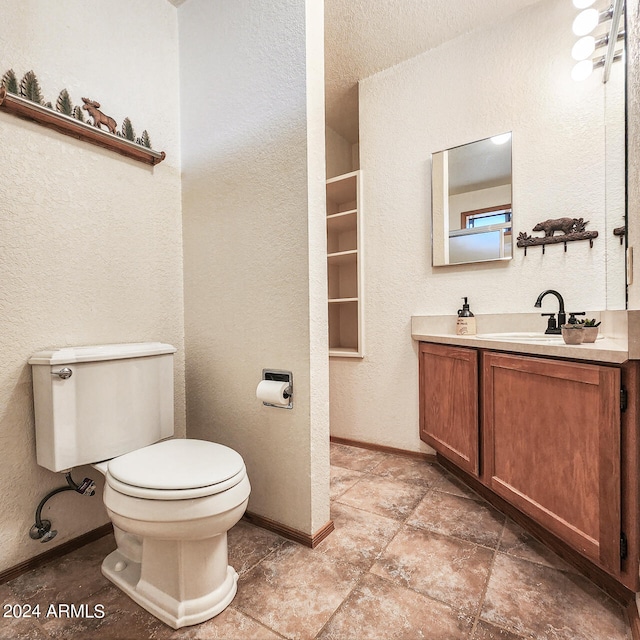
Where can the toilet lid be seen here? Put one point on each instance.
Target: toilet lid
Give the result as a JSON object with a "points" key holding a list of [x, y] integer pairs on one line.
{"points": [[178, 465]]}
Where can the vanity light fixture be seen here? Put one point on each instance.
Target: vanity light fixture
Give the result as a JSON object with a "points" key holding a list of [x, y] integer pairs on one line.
{"points": [[583, 69], [589, 19], [583, 49]]}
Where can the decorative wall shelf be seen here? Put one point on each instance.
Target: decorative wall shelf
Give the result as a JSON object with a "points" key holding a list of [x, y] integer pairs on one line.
{"points": [[23, 108]]}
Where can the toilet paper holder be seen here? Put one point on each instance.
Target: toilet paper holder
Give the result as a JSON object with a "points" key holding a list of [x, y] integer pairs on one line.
{"points": [[280, 375]]}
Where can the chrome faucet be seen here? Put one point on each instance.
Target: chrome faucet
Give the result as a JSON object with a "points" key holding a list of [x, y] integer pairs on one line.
{"points": [[562, 316]]}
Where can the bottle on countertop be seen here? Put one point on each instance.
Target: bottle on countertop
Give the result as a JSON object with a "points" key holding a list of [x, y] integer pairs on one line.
{"points": [[466, 322]]}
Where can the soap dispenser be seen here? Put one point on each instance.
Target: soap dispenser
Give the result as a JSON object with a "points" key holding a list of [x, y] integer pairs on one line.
{"points": [[466, 322]]}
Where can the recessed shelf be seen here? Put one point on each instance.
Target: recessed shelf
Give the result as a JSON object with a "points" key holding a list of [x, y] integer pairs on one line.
{"points": [[342, 222], [342, 232], [27, 110], [343, 326], [340, 257], [344, 265], [345, 352], [341, 214], [343, 188]]}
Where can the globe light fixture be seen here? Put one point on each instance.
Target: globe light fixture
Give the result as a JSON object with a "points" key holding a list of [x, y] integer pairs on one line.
{"points": [[584, 48], [586, 22], [582, 70]]}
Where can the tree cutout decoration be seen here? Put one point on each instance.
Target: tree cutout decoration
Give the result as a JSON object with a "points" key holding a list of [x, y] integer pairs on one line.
{"points": [[77, 113], [144, 140], [127, 130], [30, 88], [64, 104], [10, 82]]}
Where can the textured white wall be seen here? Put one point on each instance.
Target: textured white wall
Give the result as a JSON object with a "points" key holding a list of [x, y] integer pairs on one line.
{"points": [[514, 76], [339, 154], [255, 279], [90, 242]]}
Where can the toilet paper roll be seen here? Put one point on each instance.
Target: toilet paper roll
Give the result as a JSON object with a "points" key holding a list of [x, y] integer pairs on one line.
{"points": [[272, 391]]}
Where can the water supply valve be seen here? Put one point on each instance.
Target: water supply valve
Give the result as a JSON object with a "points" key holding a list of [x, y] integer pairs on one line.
{"points": [[86, 488], [49, 535], [42, 530]]}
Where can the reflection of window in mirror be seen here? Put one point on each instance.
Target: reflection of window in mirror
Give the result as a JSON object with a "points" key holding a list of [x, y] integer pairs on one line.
{"points": [[471, 202], [486, 217]]}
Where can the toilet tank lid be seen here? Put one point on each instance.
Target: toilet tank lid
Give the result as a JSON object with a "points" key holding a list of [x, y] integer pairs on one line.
{"points": [[94, 353]]}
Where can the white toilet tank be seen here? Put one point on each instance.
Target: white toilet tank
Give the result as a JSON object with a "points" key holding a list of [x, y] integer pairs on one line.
{"points": [[118, 398]]}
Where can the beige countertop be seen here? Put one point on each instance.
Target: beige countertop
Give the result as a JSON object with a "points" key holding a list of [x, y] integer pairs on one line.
{"points": [[612, 348]]}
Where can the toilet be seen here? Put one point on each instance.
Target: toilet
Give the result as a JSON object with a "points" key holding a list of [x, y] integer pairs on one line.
{"points": [[171, 502]]}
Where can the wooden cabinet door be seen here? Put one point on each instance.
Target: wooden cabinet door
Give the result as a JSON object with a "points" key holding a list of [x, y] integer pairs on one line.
{"points": [[552, 447], [449, 403]]}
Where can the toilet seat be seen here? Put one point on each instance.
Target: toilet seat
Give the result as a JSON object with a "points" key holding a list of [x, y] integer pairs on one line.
{"points": [[176, 470]]}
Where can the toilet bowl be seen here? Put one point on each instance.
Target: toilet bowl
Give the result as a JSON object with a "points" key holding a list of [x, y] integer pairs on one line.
{"points": [[171, 505], [171, 501]]}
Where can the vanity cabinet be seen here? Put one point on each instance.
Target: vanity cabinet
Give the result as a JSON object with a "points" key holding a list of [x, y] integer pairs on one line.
{"points": [[552, 442], [551, 447], [449, 403]]}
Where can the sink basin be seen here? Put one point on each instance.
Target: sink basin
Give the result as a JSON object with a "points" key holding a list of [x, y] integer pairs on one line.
{"points": [[521, 336], [525, 336]]}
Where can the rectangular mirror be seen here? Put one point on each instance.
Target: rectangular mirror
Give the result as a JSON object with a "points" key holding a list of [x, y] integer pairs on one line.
{"points": [[471, 202]]}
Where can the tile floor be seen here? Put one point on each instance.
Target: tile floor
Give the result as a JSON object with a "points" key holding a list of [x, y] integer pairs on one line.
{"points": [[414, 555]]}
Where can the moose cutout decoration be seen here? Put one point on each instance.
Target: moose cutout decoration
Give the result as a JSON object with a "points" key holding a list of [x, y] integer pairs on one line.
{"points": [[99, 118], [572, 229]]}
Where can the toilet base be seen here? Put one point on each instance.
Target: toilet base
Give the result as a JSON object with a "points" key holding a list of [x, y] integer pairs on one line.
{"points": [[125, 574]]}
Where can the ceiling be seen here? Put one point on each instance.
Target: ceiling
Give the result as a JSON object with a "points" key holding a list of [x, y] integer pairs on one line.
{"points": [[363, 37], [479, 165]]}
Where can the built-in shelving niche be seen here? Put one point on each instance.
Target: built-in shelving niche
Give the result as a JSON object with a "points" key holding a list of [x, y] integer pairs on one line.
{"points": [[23, 108], [344, 265]]}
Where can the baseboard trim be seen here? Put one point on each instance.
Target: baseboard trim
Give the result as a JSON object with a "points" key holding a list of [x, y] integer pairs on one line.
{"points": [[63, 549], [308, 540], [55, 553], [419, 455]]}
